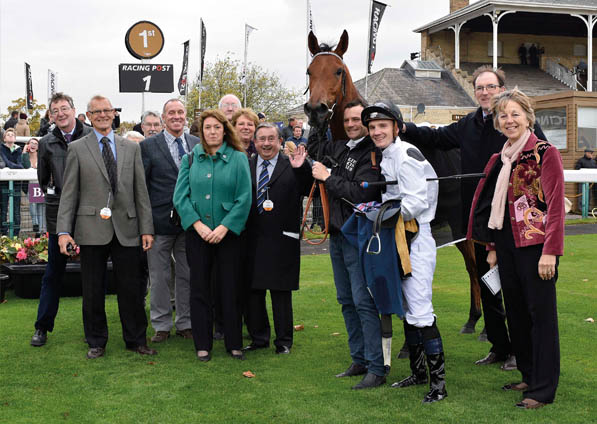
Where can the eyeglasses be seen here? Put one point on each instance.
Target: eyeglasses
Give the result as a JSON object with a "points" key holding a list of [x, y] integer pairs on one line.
{"points": [[63, 109], [271, 138], [232, 105], [150, 125], [488, 87], [99, 112]]}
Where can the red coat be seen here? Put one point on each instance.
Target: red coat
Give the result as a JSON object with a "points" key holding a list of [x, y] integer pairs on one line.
{"points": [[535, 199]]}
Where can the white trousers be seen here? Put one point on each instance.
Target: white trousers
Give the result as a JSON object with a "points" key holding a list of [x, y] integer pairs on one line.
{"points": [[417, 289]]}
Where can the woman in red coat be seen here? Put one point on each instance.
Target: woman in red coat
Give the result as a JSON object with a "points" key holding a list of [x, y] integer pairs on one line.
{"points": [[518, 211]]}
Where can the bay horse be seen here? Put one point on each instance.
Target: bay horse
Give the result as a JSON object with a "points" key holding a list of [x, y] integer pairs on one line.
{"points": [[331, 88]]}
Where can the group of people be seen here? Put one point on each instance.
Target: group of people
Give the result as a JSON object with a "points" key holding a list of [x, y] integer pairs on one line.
{"points": [[225, 206]]}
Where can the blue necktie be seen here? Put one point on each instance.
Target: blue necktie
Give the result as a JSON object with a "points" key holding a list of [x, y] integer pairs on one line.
{"points": [[181, 151], [261, 184]]}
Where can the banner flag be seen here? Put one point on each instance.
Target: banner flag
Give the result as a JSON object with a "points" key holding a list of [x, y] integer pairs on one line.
{"points": [[29, 86], [310, 17], [377, 10], [182, 81], [203, 44], [51, 85], [248, 30]]}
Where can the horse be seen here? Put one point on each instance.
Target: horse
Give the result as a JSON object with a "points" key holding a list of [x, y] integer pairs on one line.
{"points": [[331, 88]]}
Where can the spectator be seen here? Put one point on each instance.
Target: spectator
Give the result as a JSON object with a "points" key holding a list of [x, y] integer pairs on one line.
{"points": [[81, 117], [261, 117], [586, 161], [12, 121], [22, 128], [287, 132], [297, 137], [525, 179], [213, 198], [151, 123], [12, 156], [37, 210], [134, 136], [522, 53], [44, 124], [244, 122], [228, 105]]}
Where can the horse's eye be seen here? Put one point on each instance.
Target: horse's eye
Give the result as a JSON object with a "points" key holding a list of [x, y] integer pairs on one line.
{"points": [[308, 73], [339, 71]]}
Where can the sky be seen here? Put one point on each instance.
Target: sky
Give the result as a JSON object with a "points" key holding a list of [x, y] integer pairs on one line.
{"points": [[84, 41]]}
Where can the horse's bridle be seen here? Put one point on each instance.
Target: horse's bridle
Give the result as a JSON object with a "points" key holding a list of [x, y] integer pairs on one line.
{"points": [[331, 110]]}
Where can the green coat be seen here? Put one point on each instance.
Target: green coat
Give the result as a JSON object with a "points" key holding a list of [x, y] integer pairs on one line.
{"points": [[215, 190]]}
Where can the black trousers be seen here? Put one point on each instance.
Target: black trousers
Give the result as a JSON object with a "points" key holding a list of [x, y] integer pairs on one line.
{"points": [[125, 261], [532, 315], [224, 259], [493, 309], [258, 321]]}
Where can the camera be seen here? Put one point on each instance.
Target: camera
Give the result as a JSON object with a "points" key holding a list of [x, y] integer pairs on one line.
{"points": [[118, 109]]}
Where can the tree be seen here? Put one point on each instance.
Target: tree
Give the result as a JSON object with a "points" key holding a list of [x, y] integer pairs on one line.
{"points": [[265, 91], [33, 115]]}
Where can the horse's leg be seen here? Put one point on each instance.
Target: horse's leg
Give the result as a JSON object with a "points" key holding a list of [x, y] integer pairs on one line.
{"points": [[467, 249], [386, 341]]}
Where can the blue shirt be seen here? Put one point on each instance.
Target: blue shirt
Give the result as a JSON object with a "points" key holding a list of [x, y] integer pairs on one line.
{"points": [[110, 137]]}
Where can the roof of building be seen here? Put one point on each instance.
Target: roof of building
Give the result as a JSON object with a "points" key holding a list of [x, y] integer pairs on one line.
{"points": [[481, 7]]}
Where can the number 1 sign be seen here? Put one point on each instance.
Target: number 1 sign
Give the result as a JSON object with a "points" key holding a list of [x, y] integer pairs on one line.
{"points": [[144, 40]]}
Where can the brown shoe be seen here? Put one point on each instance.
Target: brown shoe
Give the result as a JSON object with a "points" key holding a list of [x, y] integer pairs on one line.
{"points": [[187, 333], [143, 350], [160, 336], [529, 404], [95, 352], [519, 387]]}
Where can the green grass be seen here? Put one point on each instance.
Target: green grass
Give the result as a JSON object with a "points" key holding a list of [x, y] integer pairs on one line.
{"points": [[56, 383]]}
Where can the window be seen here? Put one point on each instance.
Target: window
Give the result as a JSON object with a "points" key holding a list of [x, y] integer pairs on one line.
{"points": [[587, 128], [553, 123]]}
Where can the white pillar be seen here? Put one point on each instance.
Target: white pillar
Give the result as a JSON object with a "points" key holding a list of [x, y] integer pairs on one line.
{"points": [[495, 17], [589, 21], [456, 28]]}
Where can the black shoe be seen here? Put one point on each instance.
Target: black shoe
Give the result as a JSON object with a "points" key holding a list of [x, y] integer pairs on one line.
{"points": [[437, 378], [40, 337], [417, 367], [95, 352], [491, 358], [218, 336], [205, 358], [353, 369], [283, 350], [369, 381], [509, 364], [238, 356], [253, 346], [435, 395]]}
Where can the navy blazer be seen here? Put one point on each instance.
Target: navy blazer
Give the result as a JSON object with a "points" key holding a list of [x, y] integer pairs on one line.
{"points": [[161, 174]]}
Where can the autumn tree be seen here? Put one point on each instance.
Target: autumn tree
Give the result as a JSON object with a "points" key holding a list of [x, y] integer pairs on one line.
{"points": [[265, 91], [33, 115]]}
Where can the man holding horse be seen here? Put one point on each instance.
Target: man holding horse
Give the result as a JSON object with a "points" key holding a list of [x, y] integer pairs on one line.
{"points": [[477, 140], [351, 162]]}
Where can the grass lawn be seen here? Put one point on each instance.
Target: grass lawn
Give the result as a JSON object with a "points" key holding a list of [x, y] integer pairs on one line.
{"points": [[56, 383]]}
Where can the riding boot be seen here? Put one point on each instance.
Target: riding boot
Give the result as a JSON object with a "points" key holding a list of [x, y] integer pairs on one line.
{"points": [[414, 340], [434, 352]]}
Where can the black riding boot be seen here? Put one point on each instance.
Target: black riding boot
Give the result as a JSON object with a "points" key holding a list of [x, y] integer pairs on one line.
{"points": [[416, 354], [435, 361]]}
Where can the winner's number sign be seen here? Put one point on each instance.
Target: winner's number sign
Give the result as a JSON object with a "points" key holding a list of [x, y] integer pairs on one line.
{"points": [[144, 40]]}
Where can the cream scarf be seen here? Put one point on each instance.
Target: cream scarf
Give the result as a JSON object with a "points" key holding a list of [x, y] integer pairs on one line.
{"points": [[510, 153]]}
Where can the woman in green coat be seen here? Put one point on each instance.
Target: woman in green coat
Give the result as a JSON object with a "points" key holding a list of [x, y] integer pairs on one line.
{"points": [[213, 197]]}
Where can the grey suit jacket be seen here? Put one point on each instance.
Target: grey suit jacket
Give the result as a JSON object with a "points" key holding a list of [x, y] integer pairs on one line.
{"points": [[161, 174], [85, 193]]}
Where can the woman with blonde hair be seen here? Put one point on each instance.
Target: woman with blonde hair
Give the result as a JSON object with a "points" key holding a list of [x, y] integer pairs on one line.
{"points": [[518, 211], [213, 197], [245, 121]]}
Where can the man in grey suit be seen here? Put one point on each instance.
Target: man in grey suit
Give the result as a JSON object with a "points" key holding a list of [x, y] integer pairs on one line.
{"points": [[105, 205], [162, 154]]}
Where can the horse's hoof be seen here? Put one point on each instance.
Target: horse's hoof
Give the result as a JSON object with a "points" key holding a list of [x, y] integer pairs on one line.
{"points": [[466, 329]]}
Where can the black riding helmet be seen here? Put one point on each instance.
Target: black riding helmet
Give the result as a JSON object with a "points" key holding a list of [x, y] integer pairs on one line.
{"points": [[381, 110]]}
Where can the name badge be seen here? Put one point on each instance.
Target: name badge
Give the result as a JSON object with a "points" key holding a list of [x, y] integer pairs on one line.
{"points": [[105, 213], [268, 205], [51, 190]]}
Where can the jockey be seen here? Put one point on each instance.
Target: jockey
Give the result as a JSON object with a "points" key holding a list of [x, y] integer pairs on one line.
{"points": [[404, 163]]}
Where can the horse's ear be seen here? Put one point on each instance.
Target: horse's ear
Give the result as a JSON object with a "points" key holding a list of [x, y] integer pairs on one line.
{"points": [[313, 43], [342, 44]]}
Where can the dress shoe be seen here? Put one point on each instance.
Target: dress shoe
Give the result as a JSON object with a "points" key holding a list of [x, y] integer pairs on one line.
{"points": [[236, 355], [353, 369], [253, 346], [95, 352], [143, 350], [40, 337], [509, 364], [529, 404], [204, 358], [491, 358], [369, 381], [218, 336], [282, 350], [160, 336], [187, 333], [519, 387]]}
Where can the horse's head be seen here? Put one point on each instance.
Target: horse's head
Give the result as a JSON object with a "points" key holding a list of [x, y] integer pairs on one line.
{"points": [[327, 80]]}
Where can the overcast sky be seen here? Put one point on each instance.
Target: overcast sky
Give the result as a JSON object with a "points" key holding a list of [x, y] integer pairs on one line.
{"points": [[84, 41]]}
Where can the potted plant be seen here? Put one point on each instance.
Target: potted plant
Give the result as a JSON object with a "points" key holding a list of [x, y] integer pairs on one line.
{"points": [[24, 260]]}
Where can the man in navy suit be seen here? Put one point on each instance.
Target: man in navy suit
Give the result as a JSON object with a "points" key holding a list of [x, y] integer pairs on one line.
{"points": [[161, 155]]}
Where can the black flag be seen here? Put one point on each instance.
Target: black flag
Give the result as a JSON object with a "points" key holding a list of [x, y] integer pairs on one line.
{"points": [[29, 85], [182, 81], [203, 41], [377, 10]]}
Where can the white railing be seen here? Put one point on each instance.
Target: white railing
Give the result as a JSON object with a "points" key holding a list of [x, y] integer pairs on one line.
{"points": [[561, 73]]}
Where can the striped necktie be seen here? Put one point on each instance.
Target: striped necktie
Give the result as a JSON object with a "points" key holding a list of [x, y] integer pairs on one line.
{"points": [[261, 185]]}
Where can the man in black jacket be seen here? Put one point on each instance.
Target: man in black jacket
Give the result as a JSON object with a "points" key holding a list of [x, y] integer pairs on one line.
{"points": [[352, 162], [50, 172], [478, 140], [586, 161], [12, 121]]}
